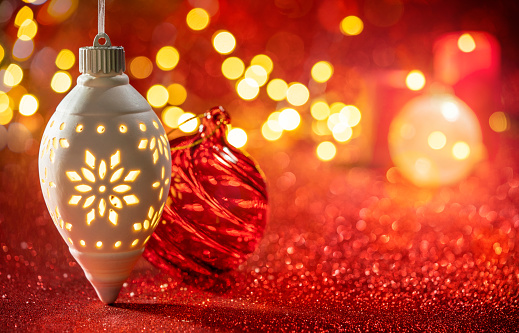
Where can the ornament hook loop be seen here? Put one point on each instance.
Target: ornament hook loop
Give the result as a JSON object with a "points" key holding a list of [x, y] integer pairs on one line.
{"points": [[100, 35]]}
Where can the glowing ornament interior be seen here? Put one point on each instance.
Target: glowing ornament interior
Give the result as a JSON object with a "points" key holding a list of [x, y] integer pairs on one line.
{"points": [[435, 140], [104, 169]]}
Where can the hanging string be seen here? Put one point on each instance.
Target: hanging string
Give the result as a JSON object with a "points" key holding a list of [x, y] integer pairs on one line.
{"points": [[101, 16]]}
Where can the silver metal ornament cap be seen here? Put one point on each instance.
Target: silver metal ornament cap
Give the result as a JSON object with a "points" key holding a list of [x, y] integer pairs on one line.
{"points": [[101, 58]]}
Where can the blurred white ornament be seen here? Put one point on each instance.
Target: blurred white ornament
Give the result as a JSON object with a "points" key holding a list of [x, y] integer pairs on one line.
{"points": [[435, 140], [104, 169]]}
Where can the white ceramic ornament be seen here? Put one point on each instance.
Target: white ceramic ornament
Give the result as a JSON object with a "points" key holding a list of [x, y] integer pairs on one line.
{"points": [[104, 166]]}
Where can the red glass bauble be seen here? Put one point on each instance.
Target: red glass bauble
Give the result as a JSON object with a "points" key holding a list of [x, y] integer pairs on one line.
{"points": [[217, 205]]}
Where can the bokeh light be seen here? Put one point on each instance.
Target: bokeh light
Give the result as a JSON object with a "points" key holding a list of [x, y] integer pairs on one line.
{"points": [[27, 30], [433, 147], [157, 95], [65, 59], [273, 122], [270, 134], [57, 11], [28, 105], [466, 43], [188, 122], [326, 151], [297, 94], [197, 19], [350, 115], [25, 13], [167, 58], [263, 61], [233, 68], [415, 80], [498, 121], [322, 71], [257, 73], [437, 140], [351, 25], [461, 150], [247, 89], [23, 49], [289, 119], [177, 94], [320, 110], [342, 132], [277, 89], [224, 42], [237, 137], [6, 115], [13, 75], [61, 82], [171, 116], [18, 137], [2, 53], [141, 67]]}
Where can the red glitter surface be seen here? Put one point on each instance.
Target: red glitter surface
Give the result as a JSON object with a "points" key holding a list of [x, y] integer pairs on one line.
{"points": [[345, 250]]}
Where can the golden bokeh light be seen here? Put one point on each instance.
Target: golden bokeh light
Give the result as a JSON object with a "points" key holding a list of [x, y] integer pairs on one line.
{"points": [[257, 73], [436, 140], [461, 150], [277, 89], [351, 25], [269, 134], [27, 30], [177, 94], [297, 94], [237, 137], [320, 127], [171, 116], [5, 101], [233, 68], [336, 107], [13, 75], [6, 116], [65, 59], [350, 115], [326, 151], [289, 119], [273, 122], [141, 67], [188, 122], [24, 14], [320, 110], [28, 105], [197, 19], [415, 80], [167, 58], [61, 81], [322, 71], [224, 42], [333, 120], [263, 61], [466, 43], [247, 89], [2, 53], [157, 95], [498, 121], [342, 132]]}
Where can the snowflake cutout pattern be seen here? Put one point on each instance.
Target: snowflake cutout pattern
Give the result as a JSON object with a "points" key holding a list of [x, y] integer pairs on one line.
{"points": [[101, 187]]}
